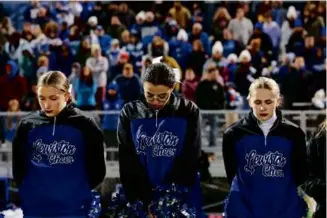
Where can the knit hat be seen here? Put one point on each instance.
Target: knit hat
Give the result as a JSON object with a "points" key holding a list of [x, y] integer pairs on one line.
{"points": [[182, 35], [217, 47], [245, 54]]}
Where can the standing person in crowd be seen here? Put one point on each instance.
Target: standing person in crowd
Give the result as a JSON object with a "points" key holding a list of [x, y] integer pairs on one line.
{"points": [[241, 27], [12, 85], [159, 140], [85, 89], [99, 66], [113, 103], [61, 149], [189, 84], [264, 156], [315, 186], [129, 84], [12, 121], [209, 95]]}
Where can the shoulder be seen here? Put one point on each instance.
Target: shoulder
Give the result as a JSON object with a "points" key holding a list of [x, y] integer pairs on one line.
{"points": [[232, 129], [185, 105], [82, 116], [291, 128], [130, 108]]}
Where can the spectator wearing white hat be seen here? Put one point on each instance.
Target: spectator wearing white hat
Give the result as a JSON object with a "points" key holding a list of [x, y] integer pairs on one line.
{"points": [[92, 21], [218, 58], [244, 76], [139, 18], [232, 66], [180, 48], [287, 27]]}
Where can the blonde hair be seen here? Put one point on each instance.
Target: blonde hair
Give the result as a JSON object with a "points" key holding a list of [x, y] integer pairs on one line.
{"points": [[264, 83], [321, 128], [55, 79], [94, 48], [221, 12]]}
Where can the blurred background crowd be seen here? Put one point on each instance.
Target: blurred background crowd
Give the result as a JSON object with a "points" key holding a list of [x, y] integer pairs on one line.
{"points": [[218, 47]]}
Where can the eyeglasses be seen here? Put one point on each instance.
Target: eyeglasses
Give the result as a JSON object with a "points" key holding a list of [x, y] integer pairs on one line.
{"points": [[160, 97]]}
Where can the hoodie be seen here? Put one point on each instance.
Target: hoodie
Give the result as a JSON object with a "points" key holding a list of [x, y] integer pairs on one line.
{"points": [[264, 171], [112, 104], [65, 155]]}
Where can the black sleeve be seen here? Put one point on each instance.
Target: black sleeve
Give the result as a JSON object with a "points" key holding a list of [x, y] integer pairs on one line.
{"points": [[299, 165], [229, 156], [221, 97], [200, 100], [315, 186], [133, 177], [186, 165], [18, 155], [95, 162]]}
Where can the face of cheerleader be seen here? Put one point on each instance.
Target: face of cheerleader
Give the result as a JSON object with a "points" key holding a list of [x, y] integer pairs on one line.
{"points": [[52, 100], [263, 103], [156, 95]]}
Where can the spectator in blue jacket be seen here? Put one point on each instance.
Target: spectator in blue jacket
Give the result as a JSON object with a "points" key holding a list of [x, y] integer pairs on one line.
{"points": [[129, 84], [197, 33], [64, 59], [229, 44], [139, 18], [85, 88], [180, 48], [135, 50], [104, 39], [112, 103], [232, 66], [149, 28]]}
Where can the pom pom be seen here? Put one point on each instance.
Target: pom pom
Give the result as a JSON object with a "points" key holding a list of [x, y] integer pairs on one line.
{"points": [[95, 206], [170, 201], [120, 207]]}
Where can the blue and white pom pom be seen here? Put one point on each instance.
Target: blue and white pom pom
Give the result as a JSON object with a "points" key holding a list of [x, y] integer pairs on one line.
{"points": [[95, 206], [120, 207], [170, 201]]}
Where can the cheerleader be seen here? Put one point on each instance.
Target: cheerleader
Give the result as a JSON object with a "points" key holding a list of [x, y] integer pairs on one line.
{"points": [[58, 155], [315, 186], [264, 156], [159, 139]]}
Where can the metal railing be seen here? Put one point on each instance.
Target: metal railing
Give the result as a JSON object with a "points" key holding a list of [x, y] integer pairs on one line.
{"points": [[307, 120]]}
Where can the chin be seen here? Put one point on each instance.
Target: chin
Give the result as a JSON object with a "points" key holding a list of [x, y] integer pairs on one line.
{"points": [[53, 114], [265, 118]]}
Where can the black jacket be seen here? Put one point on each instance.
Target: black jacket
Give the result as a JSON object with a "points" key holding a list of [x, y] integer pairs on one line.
{"points": [[315, 186], [69, 117], [138, 118], [248, 127], [210, 95]]}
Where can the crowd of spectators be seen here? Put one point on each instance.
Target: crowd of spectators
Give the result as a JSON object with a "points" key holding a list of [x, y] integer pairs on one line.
{"points": [[218, 48]]}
